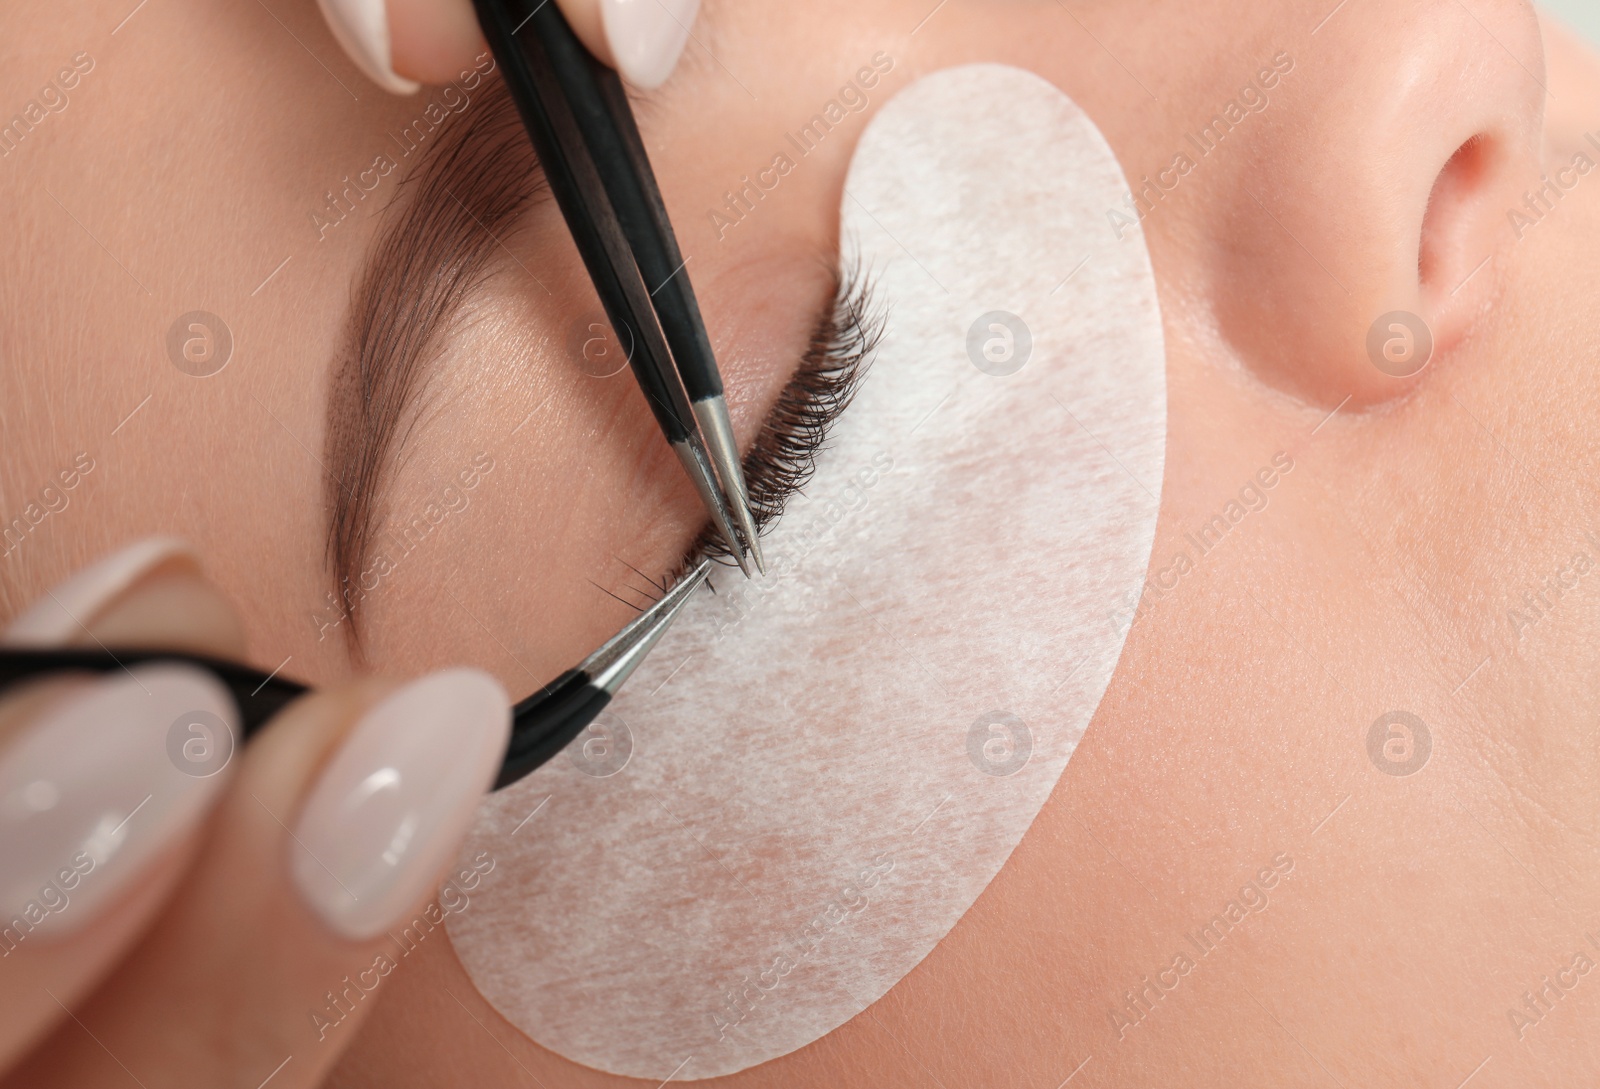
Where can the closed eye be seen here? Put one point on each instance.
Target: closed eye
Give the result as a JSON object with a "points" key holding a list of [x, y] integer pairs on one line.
{"points": [[444, 240]]}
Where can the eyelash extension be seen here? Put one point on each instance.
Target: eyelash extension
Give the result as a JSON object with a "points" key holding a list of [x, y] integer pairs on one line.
{"points": [[784, 456]]}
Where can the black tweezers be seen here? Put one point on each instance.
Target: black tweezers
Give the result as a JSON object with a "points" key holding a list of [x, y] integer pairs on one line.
{"points": [[541, 725], [577, 116]]}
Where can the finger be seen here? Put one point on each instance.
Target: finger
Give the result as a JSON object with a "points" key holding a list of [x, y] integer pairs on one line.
{"points": [[435, 40], [276, 943], [174, 607], [642, 39], [401, 44], [96, 819]]}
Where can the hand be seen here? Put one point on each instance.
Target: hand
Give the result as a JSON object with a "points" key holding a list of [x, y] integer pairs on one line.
{"points": [[178, 910], [403, 43]]}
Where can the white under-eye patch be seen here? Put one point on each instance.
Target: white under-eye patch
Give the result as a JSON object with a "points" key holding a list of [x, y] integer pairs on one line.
{"points": [[817, 772]]}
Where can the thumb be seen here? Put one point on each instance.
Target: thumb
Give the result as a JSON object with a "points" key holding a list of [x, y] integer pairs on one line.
{"points": [[149, 594]]}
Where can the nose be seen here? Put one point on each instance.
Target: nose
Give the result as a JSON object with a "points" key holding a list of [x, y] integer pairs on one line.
{"points": [[1356, 246]]}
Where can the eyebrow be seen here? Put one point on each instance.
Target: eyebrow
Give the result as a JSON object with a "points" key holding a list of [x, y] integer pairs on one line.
{"points": [[454, 208], [452, 216]]}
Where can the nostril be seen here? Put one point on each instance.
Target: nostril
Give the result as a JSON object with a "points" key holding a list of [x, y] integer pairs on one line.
{"points": [[1447, 236], [1385, 205]]}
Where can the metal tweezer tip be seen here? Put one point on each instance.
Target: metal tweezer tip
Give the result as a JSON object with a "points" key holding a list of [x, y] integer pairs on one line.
{"points": [[712, 415], [692, 453], [547, 721], [612, 664]]}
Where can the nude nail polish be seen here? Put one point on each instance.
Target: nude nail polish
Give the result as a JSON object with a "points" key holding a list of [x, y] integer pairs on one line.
{"points": [[647, 37], [67, 608], [362, 29], [102, 782], [390, 809]]}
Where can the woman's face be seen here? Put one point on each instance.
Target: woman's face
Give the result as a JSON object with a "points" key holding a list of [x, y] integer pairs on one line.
{"points": [[214, 173]]}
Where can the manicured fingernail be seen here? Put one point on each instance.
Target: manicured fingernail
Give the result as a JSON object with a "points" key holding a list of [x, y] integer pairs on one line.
{"points": [[362, 28], [647, 37], [106, 779], [392, 805], [65, 611]]}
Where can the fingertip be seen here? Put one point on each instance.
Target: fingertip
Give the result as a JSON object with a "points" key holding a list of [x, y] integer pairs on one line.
{"points": [[105, 779], [390, 808], [646, 37], [175, 609], [431, 41], [100, 812], [363, 29], [584, 17], [404, 43], [240, 913], [63, 612]]}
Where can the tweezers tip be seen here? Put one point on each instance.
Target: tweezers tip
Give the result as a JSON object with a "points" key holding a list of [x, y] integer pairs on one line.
{"points": [[747, 522], [740, 556]]}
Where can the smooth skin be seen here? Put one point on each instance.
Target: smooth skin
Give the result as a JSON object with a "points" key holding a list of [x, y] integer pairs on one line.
{"points": [[1386, 571]]}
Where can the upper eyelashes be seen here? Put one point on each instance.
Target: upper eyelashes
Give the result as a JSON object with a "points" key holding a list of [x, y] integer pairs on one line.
{"points": [[439, 248], [795, 432]]}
